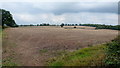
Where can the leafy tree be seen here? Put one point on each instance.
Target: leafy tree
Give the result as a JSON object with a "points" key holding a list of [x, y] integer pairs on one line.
{"points": [[31, 25], [76, 24], [37, 24], [72, 24], [7, 19], [66, 24], [62, 25]]}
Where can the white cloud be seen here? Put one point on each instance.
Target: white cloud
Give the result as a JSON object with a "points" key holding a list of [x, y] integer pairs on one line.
{"points": [[26, 17], [46, 12], [60, 8], [93, 18]]}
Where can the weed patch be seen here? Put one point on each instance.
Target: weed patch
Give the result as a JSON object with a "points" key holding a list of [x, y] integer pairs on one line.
{"points": [[91, 56]]}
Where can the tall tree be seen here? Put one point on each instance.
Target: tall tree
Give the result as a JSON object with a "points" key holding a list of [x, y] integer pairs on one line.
{"points": [[7, 19]]}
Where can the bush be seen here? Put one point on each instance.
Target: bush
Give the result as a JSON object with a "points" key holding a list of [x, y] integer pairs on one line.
{"points": [[113, 52]]}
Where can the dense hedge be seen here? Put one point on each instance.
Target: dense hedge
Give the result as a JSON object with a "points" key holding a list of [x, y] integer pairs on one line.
{"points": [[113, 52], [117, 27], [100, 26]]}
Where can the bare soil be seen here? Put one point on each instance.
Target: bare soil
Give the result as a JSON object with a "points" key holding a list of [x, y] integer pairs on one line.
{"points": [[34, 46]]}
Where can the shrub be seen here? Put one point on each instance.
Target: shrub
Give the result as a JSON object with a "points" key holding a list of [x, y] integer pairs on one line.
{"points": [[113, 52]]}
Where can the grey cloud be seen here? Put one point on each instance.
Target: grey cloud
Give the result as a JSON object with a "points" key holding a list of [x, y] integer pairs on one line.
{"points": [[73, 12], [61, 7], [99, 8]]}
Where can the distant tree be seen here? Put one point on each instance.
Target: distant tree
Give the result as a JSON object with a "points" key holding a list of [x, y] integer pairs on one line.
{"points": [[37, 24], [62, 25], [44, 24], [76, 24], [41, 25], [66, 24], [47, 24], [79, 24], [7, 19], [31, 25], [72, 24]]}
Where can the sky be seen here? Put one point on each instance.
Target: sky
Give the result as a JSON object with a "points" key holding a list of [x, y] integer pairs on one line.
{"points": [[70, 12]]}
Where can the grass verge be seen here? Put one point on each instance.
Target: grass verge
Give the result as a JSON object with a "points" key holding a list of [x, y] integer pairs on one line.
{"points": [[91, 56]]}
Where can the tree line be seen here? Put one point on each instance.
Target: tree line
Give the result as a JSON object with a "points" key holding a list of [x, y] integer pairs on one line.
{"points": [[43, 24], [98, 26], [6, 20]]}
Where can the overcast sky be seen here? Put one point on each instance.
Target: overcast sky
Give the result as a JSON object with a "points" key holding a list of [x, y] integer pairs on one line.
{"points": [[63, 12]]}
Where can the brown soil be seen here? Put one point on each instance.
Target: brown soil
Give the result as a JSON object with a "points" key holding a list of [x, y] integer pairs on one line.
{"points": [[33, 46]]}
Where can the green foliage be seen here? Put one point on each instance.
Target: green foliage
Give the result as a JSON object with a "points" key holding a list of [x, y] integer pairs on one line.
{"points": [[99, 26], [62, 25], [8, 62], [7, 19], [91, 56], [117, 27], [113, 52]]}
